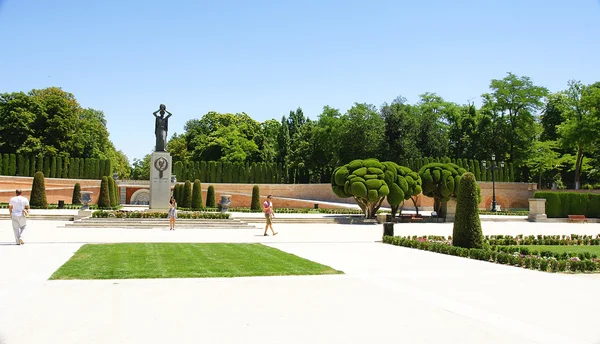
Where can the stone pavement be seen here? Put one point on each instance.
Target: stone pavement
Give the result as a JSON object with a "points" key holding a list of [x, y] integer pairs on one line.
{"points": [[388, 294]]}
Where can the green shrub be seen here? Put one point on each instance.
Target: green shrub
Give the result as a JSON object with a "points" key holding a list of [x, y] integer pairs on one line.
{"points": [[440, 182], [210, 197], [76, 199], [197, 195], [255, 205], [187, 194], [467, 225], [38, 192], [593, 205], [104, 199], [12, 165], [111, 191]]}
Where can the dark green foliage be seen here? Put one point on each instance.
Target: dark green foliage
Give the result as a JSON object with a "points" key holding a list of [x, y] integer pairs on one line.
{"points": [[76, 199], [5, 162], [2, 165], [255, 205], [59, 167], [467, 231], [176, 193], [197, 195], [210, 197], [212, 171], [117, 194], [440, 181], [46, 167], [187, 195], [26, 166], [219, 172], [65, 168], [563, 204], [111, 191], [39, 167], [53, 167], [32, 166], [82, 169], [104, 199], [402, 183], [593, 205], [177, 170], [38, 191]]}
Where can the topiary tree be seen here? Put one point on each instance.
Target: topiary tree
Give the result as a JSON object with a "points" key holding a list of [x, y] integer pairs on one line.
{"points": [[403, 183], [365, 181], [197, 195], [117, 194], [38, 192], [76, 199], [210, 197], [255, 205], [440, 181], [111, 191], [467, 226], [104, 199], [187, 194]]}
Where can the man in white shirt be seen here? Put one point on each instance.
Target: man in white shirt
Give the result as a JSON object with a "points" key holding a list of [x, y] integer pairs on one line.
{"points": [[17, 207]]}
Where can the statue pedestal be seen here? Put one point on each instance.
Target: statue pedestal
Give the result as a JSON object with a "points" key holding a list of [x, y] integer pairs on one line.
{"points": [[160, 181], [537, 210]]}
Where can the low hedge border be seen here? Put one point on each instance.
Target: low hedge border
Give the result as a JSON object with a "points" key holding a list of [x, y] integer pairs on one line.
{"points": [[156, 215], [563, 240], [509, 213], [530, 261]]}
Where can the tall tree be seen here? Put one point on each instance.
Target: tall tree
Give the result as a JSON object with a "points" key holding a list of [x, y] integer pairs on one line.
{"points": [[362, 134]]}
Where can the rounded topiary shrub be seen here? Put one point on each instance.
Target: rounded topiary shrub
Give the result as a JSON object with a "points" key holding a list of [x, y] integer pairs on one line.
{"points": [[104, 199], [210, 197], [38, 191], [197, 195], [187, 194], [255, 205], [467, 226], [76, 199]]}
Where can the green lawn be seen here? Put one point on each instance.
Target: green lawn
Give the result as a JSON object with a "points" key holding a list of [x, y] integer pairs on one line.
{"points": [[593, 249], [171, 260]]}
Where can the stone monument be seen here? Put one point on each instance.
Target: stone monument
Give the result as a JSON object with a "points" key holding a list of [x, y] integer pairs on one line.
{"points": [[160, 163]]}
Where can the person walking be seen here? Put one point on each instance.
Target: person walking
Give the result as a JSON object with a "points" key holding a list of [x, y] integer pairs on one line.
{"points": [[18, 208], [172, 213], [268, 210]]}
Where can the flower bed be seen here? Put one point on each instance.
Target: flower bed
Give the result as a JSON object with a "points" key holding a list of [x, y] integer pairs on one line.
{"points": [[514, 256], [156, 215], [573, 239]]}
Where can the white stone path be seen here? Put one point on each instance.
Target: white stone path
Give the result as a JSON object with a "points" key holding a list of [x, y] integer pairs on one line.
{"points": [[388, 294]]}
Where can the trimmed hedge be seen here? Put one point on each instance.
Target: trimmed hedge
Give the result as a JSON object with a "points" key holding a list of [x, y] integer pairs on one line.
{"points": [[38, 192], [467, 225], [255, 204], [563, 204], [149, 215], [197, 195], [76, 199]]}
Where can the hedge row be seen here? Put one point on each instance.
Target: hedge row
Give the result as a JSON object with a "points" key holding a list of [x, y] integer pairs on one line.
{"points": [[563, 204], [534, 262], [273, 173], [561, 240], [54, 166]]}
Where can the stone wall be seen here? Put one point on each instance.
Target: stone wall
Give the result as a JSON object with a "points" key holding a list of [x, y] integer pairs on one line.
{"points": [[508, 195]]}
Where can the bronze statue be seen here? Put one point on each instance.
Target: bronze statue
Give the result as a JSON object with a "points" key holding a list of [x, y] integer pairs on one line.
{"points": [[161, 127]]}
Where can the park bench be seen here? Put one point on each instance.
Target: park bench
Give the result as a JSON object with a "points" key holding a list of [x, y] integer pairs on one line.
{"points": [[577, 218]]}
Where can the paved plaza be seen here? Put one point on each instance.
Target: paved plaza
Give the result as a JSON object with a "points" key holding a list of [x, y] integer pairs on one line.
{"points": [[388, 294]]}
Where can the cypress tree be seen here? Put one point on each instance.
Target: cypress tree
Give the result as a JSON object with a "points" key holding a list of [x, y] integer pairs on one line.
{"points": [[102, 169], [65, 170], [53, 167], [71, 168], [467, 226], [108, 167], [82, 168], [212, 171], [255, 205], [197, 195], [39, 167], [111, 191], [197, 172], [76, 194], [187, 194], [104, 199], [26, 166], [219, 172], [46, 167], [176, 193], [20, 165], [210, 197], [59, 167], [1, 164], [75, 168], [38, 192], [177, 166], [12, 165], [97, 174], [512, 172], [32, 163], [5, 163], [117, 194], [203, 171]]}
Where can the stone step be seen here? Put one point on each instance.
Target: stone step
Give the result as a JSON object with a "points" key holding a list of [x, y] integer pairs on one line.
{"points": [[45, 217]]}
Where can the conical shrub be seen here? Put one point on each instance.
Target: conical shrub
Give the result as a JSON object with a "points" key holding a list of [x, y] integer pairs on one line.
{"points": [[197, 195], [111, 191], [467, 226], [187, 194], [255, 205], [210, 197], [76, 194], [38, 192], [104, 199]]}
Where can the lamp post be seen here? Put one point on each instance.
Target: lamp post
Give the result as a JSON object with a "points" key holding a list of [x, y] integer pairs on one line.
{"points": [[493, 168]]}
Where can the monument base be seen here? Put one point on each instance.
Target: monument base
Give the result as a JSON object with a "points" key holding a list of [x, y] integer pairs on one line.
{"points": [[160, 181]]}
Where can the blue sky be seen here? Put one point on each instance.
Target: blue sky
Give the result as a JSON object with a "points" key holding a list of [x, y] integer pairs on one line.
{"points": [[266, 58]]}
